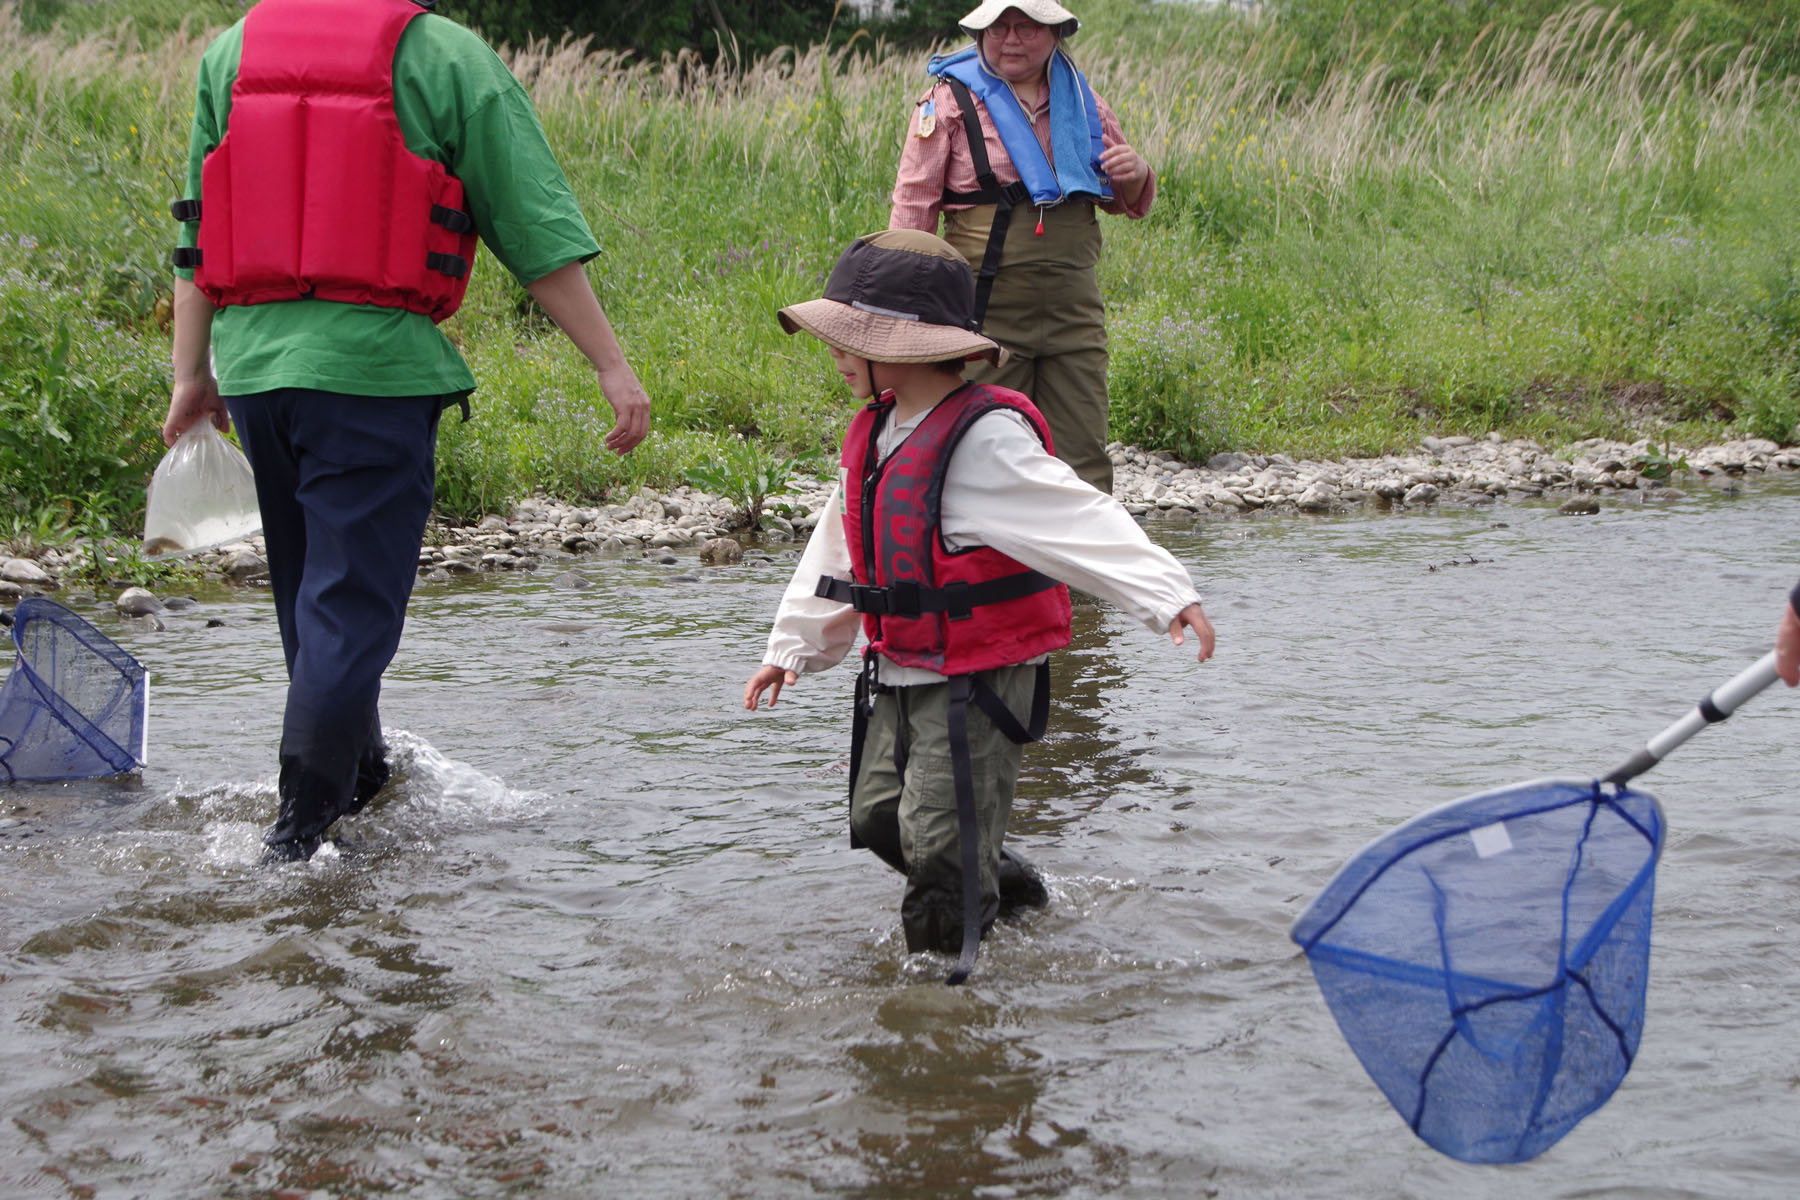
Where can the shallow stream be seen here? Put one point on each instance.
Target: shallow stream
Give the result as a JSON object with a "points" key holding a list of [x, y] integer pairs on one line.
{"points": [[604, 935]]}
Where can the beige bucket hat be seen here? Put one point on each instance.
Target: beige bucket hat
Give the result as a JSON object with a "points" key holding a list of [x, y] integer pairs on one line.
{"points": [[1044, 12], [899, 296]]}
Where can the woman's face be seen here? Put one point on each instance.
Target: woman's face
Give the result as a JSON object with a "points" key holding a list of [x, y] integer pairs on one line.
{"points": [[1017, 47]]}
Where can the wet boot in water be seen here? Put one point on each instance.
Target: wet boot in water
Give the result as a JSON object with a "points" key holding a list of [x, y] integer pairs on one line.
{"points": [[1021, 886]]}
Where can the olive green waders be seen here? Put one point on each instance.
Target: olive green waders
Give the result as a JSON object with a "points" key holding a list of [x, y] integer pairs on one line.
{"points": [[1045, 308], [904, 794]]}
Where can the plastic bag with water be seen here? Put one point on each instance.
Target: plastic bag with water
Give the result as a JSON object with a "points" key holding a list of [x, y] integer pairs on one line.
{"points": [[76, 705], [202, 495], [1487, 961]]}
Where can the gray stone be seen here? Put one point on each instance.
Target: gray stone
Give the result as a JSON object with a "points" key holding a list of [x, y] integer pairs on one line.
{"points": [[244, 564], [571, 581], [1320, 497], [137, 602], [1579, 506], [23, 570], [1420, 493], [721, 550]]}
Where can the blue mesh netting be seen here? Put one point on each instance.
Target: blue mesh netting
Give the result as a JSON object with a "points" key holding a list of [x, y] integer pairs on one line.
{"points": [[75, 704], [1487, 961]]}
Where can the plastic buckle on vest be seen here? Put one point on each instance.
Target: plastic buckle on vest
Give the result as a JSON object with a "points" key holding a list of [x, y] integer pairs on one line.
{"points": [[866, 598], [1015, 193], [185, 210], [453, 219], [956, 601], [453, 265], [903, 599], [187, 256]]}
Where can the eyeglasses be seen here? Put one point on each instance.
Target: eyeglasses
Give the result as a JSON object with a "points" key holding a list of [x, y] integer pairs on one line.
{"points": [[1025, 31]]}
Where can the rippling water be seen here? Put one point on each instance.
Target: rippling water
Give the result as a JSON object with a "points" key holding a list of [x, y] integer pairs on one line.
{"points": [[604, 936]]}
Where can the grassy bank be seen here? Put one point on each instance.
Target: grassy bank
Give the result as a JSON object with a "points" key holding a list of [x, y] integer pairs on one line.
{"points": [[1580, 233]]}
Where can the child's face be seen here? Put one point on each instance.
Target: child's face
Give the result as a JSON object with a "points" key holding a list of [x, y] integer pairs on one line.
{"points": [[855, 370]]}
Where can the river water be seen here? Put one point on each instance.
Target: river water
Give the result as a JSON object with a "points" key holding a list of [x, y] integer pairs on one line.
{"points": [[604, 935]]}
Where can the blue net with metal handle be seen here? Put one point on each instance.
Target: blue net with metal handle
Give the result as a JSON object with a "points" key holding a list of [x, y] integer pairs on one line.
{"points": [[1487, 960], [75, 704]]}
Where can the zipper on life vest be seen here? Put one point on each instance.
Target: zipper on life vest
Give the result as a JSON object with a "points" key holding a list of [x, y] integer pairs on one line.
{"points": [[1040, 224]]}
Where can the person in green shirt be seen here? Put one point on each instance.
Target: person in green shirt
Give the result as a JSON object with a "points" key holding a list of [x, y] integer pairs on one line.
{"points": [[337, 403]]}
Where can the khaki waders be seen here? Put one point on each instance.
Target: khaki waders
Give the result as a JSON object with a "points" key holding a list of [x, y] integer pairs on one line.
{"points": [[1045, 308], [903, 801]]}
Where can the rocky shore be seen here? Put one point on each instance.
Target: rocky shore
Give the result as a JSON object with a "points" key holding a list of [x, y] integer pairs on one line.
{"points": [[546, 534]]}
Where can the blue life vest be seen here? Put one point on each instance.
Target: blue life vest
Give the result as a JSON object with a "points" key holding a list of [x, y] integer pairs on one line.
{"points": [[1075, 135]]}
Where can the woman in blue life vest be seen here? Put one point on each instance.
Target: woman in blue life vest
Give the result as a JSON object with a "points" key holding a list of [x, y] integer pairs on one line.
{"points": [[949, 544], [1013, 152]]}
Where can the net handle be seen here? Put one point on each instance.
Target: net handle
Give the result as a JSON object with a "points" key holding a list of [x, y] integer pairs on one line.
{"points": [[1723, 701]]}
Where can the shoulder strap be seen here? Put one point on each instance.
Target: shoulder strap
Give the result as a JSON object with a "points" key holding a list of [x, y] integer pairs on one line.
{"points": [[1004, 199]]}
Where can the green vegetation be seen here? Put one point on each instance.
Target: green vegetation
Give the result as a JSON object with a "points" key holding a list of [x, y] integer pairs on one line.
{"points": [[1569, 230]]}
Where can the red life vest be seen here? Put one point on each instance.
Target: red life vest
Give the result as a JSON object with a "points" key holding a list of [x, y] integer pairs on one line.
{"points": [[312, 191], [923, 604]]}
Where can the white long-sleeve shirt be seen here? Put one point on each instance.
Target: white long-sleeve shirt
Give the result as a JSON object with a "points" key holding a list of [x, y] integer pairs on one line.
{"points": [[1004, 491]]}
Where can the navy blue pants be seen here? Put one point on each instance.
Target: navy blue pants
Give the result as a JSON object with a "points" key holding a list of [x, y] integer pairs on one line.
{"points": [[345, 487]]}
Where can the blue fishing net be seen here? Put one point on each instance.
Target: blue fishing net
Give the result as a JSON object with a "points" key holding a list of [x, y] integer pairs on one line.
{"points": [[75, 704], [1487, 961]]}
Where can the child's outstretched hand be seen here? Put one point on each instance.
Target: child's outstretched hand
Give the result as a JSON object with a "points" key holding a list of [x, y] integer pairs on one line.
{"points": [[1194, 617], [775, 678]]}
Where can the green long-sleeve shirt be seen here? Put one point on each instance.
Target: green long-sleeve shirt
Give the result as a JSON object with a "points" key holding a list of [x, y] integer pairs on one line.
{"points": [[458, 104]]}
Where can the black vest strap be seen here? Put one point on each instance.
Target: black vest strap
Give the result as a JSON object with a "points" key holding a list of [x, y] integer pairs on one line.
{"points": [[908, 599], [1004, 198], [968, 828], [453, 219], [185, 210], [187, 256], [453, 265]]}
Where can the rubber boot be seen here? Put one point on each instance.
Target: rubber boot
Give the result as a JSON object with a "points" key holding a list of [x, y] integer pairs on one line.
{"points": [[1021, 885]]}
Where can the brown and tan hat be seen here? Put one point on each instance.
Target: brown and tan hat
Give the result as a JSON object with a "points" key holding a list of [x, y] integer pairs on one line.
{"points": [[899, 296], [1044, 12]]}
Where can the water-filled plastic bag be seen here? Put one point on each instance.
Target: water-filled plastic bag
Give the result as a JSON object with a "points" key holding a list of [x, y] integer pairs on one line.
{"points": [[202, 495], [1487, 960], [76, 705]]}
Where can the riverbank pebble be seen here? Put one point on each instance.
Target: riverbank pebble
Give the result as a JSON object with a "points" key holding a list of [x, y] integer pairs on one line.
{"points": [[542, 532]]}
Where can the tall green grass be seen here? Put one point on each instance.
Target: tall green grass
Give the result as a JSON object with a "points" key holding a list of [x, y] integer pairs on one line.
{"points": [[1582, 231]]}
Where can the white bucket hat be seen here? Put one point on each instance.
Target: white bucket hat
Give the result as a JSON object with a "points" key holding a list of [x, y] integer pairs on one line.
{"points": [[1044, 12]]}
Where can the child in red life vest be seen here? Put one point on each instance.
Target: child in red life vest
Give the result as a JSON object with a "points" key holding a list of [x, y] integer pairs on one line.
{"points": [[948, 542]]}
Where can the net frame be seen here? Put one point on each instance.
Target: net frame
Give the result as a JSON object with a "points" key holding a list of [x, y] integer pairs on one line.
{"points": [[1490, 1060], [45, 735]]}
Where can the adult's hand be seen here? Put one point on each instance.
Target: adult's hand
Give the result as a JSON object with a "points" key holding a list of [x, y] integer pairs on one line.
{"points": [[195, 397], [1787, 647], [1194, 618], [567, 296], [192, 402], [630, 405], [768, 678], [1127, 170]]}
